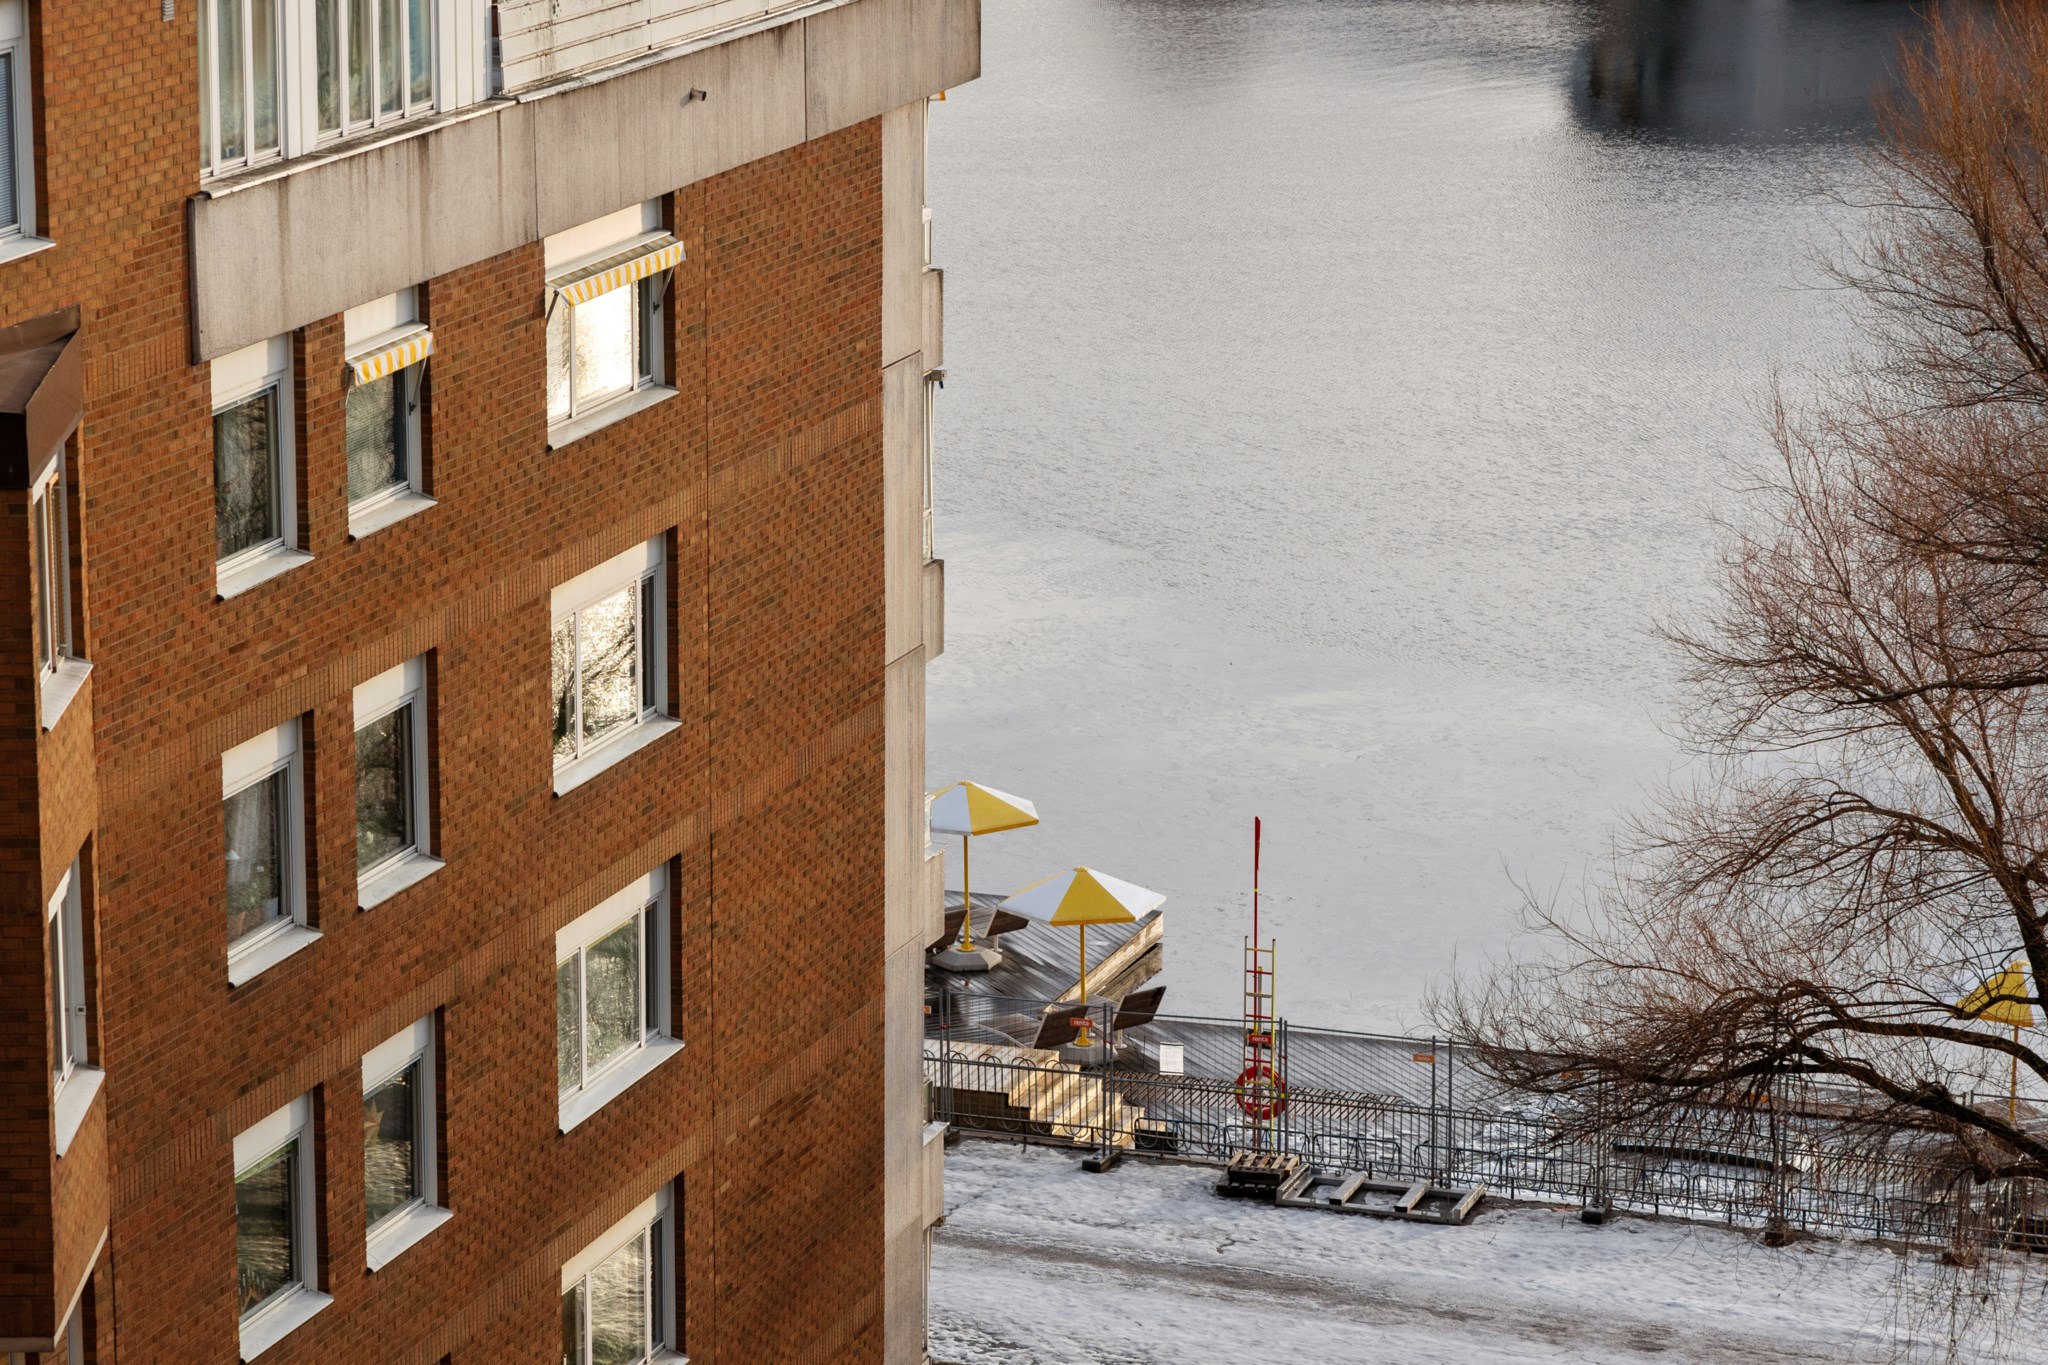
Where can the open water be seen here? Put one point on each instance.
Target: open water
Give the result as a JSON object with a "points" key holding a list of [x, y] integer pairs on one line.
{"points": [[1338, 390]]}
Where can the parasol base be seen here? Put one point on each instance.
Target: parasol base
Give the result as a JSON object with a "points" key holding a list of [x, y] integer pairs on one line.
{"points": [[1095, 1054], [958, 959]]}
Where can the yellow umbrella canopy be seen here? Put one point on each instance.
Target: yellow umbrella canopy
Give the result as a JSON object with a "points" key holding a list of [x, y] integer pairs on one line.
{"points": [[968, 809], [1081, 896], [2002, 999]]}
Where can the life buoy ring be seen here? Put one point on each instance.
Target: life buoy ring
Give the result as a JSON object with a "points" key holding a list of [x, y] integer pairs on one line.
{"points": [[1260, 1093]]}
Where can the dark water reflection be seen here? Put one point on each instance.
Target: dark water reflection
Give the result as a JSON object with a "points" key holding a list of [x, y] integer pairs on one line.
{"points": [[1738, 70], [1337, 392]]}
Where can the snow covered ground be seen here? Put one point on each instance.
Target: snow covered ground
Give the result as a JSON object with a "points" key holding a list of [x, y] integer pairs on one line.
{"points": [[1041, 1264]]}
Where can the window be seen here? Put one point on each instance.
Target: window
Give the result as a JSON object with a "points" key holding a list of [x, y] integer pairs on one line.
{"points": [[74, 1081], [59, 671], [393, 833], [606, 285], [607, 662], [275, 1234], [50, 539], [400, 1139], [386, 375], [618, 1296], [263, 786], [241, 52], [17, 145], [374, 62], [612, 997], [254, 512]]}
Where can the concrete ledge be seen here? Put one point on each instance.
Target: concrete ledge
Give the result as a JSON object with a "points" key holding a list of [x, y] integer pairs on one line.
{"points": [[275, 251]]}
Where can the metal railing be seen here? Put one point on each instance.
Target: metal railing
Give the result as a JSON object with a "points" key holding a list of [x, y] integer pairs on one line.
{"points": [[1420, 1109]]}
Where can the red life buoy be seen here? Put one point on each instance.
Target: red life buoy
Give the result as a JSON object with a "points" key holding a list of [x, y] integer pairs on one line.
{"points": [[1261, 1094]]}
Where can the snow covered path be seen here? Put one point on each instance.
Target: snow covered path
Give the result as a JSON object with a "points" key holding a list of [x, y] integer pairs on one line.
{"points": [[1040, 1264]]}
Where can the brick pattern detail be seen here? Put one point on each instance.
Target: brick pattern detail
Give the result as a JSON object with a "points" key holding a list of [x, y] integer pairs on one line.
{"points": [[765, 473]]}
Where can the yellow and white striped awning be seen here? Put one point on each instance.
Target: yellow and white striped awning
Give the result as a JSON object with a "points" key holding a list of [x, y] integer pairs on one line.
{"points": [[392, 357], [648, 256]]}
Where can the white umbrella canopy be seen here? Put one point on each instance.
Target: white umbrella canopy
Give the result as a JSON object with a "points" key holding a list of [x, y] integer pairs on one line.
{"points": [[968, 809], [1081, 896]]}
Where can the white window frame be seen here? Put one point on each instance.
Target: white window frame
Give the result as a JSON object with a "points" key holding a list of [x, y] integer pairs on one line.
{"points": [[648, 904], [19, 126], [645, 564], [74, 1080], [405, 685], [366, 329], [654, 1220], [306, 97], [567, 252], [242, 767], [60, 672], [238, 377], [392, 1234], [211, 163], [270, 1321]]}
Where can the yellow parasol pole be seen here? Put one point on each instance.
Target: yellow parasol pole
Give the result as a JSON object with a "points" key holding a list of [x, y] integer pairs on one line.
{"points": [[2012, 1099], [966, 898], [1084, 1038]]}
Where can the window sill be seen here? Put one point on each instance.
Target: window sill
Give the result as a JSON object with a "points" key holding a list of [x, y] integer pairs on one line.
{"points": [[570, 776], [74, 1098], [274, 948], [617, 410], [616, 1082], [398, 1233], [375, 516], [264, 567], [275, 1321], [394, 877], [14, 248], [60, 687]]}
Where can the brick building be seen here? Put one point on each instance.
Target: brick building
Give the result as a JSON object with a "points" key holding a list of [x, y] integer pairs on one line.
{"points": [[462, 876]]}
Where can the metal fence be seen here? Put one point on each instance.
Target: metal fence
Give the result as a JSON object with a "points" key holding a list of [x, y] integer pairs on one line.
{"points": [[1419, 1109]]}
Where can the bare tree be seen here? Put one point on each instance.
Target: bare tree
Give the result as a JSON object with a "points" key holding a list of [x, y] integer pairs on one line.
{"points": [[1869, 843]]}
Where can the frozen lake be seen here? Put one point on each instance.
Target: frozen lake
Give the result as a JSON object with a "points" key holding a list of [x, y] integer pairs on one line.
{"points": [[1337, 394]]}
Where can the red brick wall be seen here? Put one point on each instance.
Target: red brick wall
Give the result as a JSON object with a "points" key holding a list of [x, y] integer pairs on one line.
{"points": [[765, 472]]}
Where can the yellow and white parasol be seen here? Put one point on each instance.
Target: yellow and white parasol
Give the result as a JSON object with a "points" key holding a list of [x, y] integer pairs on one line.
{"points": [[1081, 896], [968, 809]]}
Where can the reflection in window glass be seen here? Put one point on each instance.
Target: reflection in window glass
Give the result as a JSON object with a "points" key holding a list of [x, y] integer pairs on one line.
{"points": [[420, 44], [327, 60], [389, 34], [359, 76], [227, 15], [613, 1315], [391, 1116], [607, 344], [245, 474], [601, 663], [376, 436], [256, 844], [265, 1228], [263, 58], [10, 209], [384, 788], [611, 985], [610, 659], [620, 1325]]}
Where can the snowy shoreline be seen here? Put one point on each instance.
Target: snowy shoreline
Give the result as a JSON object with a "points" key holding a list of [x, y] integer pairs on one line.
{"points": [[1041, 1264]]}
